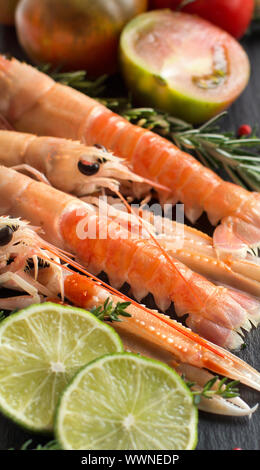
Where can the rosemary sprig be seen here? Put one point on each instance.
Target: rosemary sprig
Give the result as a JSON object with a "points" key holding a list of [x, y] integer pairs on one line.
{"points": [[2, 315], [77, 80], [111, 312], [52, 445], [239, 157], [223, 389]]}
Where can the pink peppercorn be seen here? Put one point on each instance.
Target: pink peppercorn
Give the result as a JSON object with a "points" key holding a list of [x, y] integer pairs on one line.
{"points": [[245, 129]]}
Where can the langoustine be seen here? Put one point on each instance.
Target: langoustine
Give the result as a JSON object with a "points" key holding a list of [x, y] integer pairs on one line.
{"points": [[144, 331], [81, 170], [101, 244], [49, 108], [68, 165]]}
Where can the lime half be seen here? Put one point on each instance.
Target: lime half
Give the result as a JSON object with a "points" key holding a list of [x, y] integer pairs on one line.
{"points": [[41, 349], [128, 402]]}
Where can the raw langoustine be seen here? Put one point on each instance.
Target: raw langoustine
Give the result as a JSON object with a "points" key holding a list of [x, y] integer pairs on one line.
{"points": [[49, 108], [24, 253], [81, 170], [101, 244]]}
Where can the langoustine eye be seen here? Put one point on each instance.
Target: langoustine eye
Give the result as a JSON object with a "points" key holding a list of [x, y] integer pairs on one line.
{"points": [[88, 168], [6, 235]]}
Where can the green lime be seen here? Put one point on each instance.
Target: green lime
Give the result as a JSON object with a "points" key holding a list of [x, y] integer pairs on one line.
{"points": [[182, 64], [125, 401], [41, 349]]}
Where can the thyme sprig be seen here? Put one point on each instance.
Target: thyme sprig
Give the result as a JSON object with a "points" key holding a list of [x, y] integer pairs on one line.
{"points": [[223, 389], [111, 312], [239, 157]]}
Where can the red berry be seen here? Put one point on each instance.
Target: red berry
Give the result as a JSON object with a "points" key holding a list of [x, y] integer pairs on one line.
{"points": [[245, 129], [237, 448]]}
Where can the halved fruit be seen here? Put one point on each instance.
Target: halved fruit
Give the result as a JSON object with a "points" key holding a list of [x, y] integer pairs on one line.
{"points": [[182, 64], [127, 402], [41, 349]]}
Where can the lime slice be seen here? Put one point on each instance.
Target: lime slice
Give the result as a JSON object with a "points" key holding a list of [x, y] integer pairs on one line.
{"points": [[41, 349], [128, 402]]}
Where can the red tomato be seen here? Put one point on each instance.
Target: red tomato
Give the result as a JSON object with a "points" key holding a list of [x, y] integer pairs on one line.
{"points": [[168, 64], [233, 16], [75, 34]]}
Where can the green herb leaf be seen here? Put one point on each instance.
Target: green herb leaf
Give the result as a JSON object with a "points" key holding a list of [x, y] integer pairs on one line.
{"points": [[2, 315], [214, 387], [52, 445], [110, 312], [77, 80]]}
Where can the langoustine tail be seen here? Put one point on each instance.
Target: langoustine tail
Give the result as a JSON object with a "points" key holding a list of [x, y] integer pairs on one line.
{"points": [[239, 230], [227, 315], [234, 237]]}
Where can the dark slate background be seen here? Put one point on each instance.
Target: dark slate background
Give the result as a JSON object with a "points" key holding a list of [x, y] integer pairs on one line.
{"points": [[215, 432]]}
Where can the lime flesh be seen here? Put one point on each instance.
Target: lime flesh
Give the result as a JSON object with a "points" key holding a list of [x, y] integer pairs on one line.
{"points": [[124, 401], [41, 349], [182, 64]]}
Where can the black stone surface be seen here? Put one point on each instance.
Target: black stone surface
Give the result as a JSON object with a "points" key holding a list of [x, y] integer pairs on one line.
{"points": [[215, 432]]}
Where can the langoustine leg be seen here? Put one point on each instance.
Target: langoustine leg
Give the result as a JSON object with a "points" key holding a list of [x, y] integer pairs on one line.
{"points": [[49, 108], [215, 312]]}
